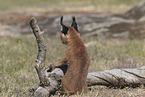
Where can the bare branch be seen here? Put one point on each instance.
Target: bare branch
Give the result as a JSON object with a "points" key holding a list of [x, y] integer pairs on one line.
{"points": [[40, 61], [49, 81]]}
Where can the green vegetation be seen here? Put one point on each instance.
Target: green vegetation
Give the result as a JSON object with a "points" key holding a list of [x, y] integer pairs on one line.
{"points": [[66, 5], [18, 55]]}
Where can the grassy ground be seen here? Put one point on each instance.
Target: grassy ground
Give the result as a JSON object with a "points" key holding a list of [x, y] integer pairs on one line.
{"points": [[17, 59], [22, 6]]}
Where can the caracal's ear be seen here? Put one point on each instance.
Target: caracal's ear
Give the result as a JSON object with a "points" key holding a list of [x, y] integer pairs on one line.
{"points": [[64, 29], [74, 24]]}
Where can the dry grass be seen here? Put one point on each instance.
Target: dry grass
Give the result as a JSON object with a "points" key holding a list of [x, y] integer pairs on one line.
{"points": [[18, 55]]}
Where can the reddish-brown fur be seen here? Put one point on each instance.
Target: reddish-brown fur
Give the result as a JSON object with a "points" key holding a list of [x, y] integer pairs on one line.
{"points": [[77, 59]]}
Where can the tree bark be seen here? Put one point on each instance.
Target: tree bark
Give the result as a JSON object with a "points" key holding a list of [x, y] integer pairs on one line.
{"points": [[40, 61], [50, 79], [118, 78], [48, 82]]}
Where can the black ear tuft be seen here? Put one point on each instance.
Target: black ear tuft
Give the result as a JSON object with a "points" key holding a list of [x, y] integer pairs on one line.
{"points": [[64, 29], [74, 24]]}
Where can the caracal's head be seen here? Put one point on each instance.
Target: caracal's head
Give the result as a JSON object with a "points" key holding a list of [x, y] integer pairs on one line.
{"points": [[66, 31]]}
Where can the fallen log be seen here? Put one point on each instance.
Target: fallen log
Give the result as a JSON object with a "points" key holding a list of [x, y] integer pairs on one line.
{"points": [[50, 79]]}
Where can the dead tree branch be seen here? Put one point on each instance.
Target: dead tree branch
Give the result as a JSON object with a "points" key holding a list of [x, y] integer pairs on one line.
{"points": [[40, 61], [45, 80]]}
